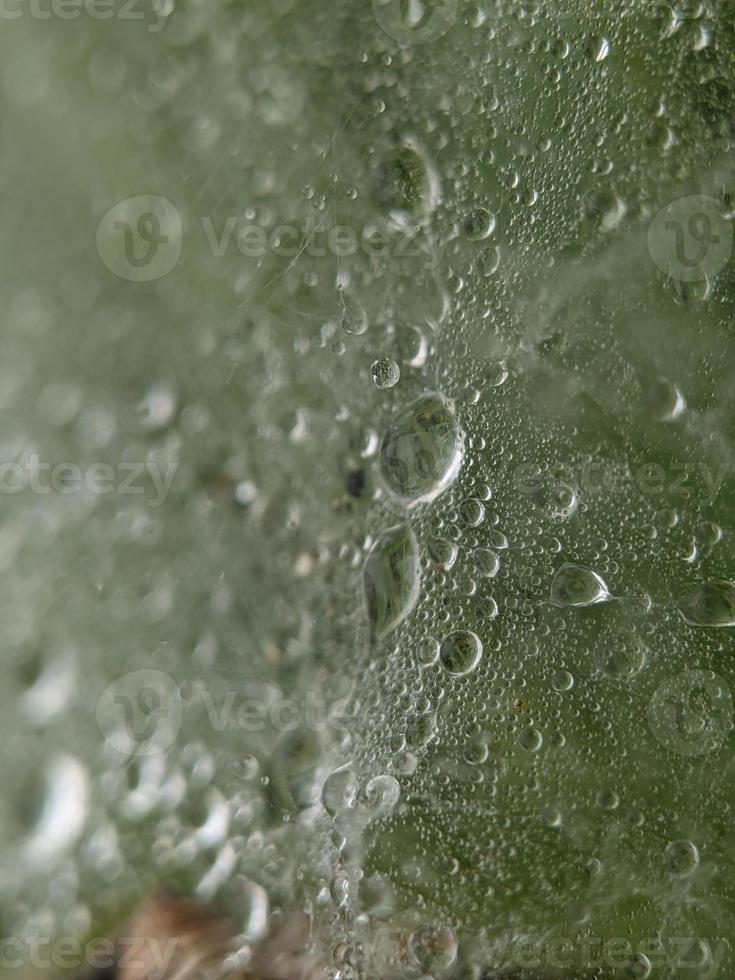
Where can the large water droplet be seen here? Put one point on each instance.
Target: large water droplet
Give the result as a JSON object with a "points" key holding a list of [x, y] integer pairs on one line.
{"points": [[682, 857], [407, 182], [391, 578], [386, 373], [434, 947], [576, 586], [421, 453], [381, 793], [460, 652], [712, 604], [340, 789]]}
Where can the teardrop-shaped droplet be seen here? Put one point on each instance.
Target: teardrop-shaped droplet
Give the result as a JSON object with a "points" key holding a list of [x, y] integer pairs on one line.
{"points": [[421, 453], [576, 586], [712, 604], [391, 578], [339, 790]]}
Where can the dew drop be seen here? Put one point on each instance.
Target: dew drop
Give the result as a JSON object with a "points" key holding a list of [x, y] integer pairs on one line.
{"points": [[460, 652], [712, 604], [421, 452], [576, 586], [479, 224], [682, 857], [487, 562], [385, 372], [391, 578], [434, 948], [381, 793], [339, 790]]}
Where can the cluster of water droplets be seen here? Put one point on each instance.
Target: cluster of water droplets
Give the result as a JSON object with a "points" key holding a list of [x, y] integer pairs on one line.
{"points": [[439, 599]]}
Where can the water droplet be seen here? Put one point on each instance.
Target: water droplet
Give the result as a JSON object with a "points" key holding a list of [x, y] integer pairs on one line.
{"points": [[254, 899], [682, 857], [472, 512], [381, 793], [479, 224], [599, 48], [637, 966], [476, 751], [434, 948], [460, 652], [607, 799], [353, 320], [295, 770], [421, 453], [406, 181], [443, 552], [604, 209], [563, 681], [391, 578], [427, 651], [487, 562], [577, 587], [486, 609], [664, 400], [339, 790], [421, 730], [530, 739], [158, 408], [620, 656], [386, 373], [712, 604]]}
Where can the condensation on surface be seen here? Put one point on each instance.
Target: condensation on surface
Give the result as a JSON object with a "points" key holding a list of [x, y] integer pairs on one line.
{"points": [[407, 593]]}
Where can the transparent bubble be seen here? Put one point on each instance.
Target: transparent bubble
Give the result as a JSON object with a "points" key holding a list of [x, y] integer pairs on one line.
{"points": [[712, 605], [681, 857], [479, 224], [421, 452], [386, 373], [460, 652], [339, 790], [434, 948], [381, 793], [576, 586]]}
